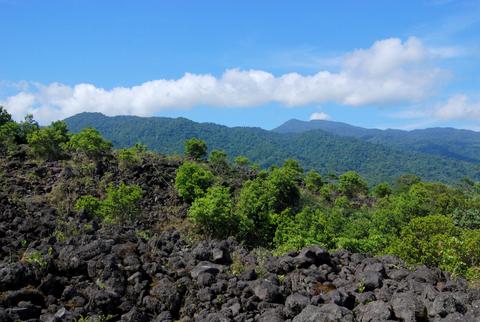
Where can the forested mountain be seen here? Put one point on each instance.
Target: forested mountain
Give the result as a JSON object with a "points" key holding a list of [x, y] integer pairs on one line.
{"points": [[316, 149], [452, 143]]}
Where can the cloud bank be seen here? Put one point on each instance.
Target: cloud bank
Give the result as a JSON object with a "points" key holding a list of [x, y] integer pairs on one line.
{"points": [[390, 71]]}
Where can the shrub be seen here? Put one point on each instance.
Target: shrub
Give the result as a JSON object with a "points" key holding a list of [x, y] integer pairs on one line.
{"points": [[90, 143], [122, 204], [382, 190], [308, 227], [351, 183], [130, 157], [88, 204], [426, 240], [218, 161], [48, 142], [212, 214], [192, 181], [195, 149], [313, 181]]}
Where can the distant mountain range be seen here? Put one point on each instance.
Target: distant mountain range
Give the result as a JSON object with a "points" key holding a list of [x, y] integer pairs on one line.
{"points": [[452, 143], [438, 154]]}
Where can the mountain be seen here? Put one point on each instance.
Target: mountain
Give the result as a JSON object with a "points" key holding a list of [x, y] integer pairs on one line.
{"points": [[462, 145], [314, 148]]}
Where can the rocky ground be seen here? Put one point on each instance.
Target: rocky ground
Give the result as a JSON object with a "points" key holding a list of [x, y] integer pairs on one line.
{"points": [[58, 265]]}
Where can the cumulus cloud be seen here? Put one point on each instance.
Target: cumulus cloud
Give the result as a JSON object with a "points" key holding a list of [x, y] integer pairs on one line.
{"points": [[458, 107], [390, 71], [320, 116]]}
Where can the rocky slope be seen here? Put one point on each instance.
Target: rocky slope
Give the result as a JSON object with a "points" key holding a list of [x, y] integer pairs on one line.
{"points": [[58, 265]]}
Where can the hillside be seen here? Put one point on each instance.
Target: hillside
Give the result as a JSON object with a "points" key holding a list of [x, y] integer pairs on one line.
{"points": [[92, 233], [462, 145], [325, 152]]}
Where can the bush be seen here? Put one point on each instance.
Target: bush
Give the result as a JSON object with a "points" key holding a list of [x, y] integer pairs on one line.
{"points": [[130, 157], [48, 142], [382, 190], [195, 149], [313, 181], [192, 181], [122, 204], [88, 204], [212, 214], [218, 161], [426, 240], [308, 227], [90, 143], [351, 184]]}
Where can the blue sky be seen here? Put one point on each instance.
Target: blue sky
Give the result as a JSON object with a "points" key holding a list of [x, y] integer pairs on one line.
{"points": [[387, 64]]}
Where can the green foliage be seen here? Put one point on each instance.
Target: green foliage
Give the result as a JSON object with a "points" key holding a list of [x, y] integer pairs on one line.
{"points": [[242, 161], [9, 134], [121, 204], [382, 190], [313, 181], [88, 204], [131, 157], [421, 241], [195, 149], [404, 182], [48, 142], [90, 143], [308, 227], [318, 150], [5, 117], [351, 184], [218, 161], [192, 181], [212, 214], [467, 218]]}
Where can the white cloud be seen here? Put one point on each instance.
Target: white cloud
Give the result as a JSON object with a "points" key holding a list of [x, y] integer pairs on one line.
{"points": [[458, 107], [390, 71], [320, 116]]}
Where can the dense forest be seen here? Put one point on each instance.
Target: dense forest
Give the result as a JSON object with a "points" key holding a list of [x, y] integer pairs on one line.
{"points": [[456, 144], [115, 231], [327, 153]]}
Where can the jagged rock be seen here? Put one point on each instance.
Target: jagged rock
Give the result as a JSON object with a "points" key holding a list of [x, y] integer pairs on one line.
{"points": [[205, 267], [265, 290], [324, 313]]}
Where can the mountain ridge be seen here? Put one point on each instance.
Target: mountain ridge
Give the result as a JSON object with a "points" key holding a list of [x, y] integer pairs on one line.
{"points": [[315, 149]]}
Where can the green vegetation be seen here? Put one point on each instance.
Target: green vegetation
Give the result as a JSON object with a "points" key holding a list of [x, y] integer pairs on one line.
{"points": [[322, 150], [195, 149], [89, 143], [278, 209], [48, 143], [193, 180], [284, 209], [122, 204]]}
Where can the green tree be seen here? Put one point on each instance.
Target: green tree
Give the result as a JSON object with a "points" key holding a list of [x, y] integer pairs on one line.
{"points": [[192, 181], [90, 143], [241, 161], [313, 181], [5, 117], [195, 149], [131, 157], [212, 214], [48, 142], [382, 190], [424, 239], [254, 210], [351, 183], [218, 161]]}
